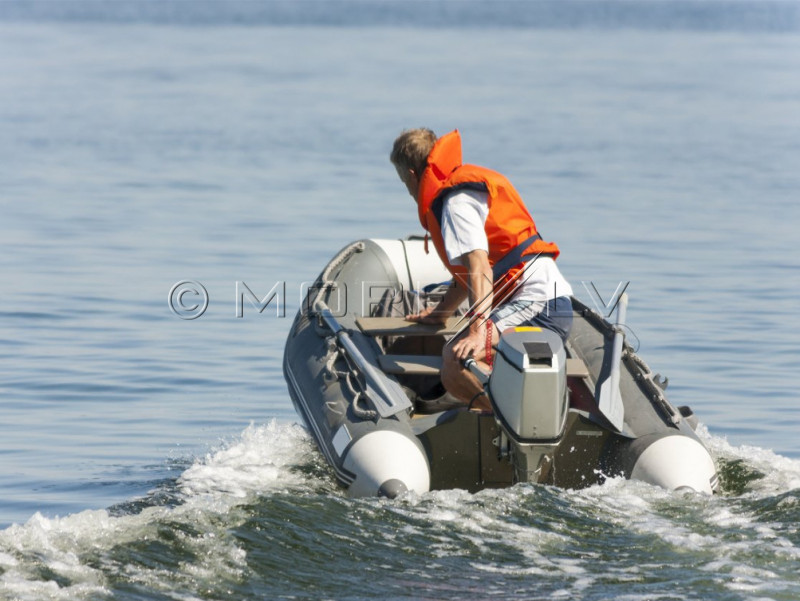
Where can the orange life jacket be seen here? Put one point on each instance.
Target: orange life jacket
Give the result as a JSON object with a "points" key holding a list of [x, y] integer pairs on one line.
{"points": [[510, 229]]}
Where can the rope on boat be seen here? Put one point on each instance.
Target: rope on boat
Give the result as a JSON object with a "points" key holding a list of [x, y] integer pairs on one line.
{"points": [[346, 377], [324, 282], [359, 411]]}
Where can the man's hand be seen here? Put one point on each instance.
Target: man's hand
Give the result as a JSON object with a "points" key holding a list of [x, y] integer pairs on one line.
{"points": [[472, 345], [429, 315], [447, 306]]}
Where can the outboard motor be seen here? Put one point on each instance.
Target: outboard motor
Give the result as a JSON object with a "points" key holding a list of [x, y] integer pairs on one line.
{"points": [[528, 388]]}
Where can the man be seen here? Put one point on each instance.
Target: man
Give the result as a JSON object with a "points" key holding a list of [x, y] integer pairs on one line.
{"points": [[487, 239]]}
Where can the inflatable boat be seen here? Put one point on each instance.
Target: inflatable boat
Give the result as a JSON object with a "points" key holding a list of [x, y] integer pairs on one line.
{"points": [[366, 384]]}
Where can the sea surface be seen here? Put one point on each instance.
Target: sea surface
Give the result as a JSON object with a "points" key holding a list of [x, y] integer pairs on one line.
{"points": [[144, 456]]}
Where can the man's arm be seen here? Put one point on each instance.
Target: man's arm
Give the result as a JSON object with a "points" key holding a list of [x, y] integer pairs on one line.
{"points": [[480, 301], [452, 299], [465, 243]]}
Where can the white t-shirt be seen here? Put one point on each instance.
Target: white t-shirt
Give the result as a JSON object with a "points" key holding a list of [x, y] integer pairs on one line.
{"points": [[464, 214]]}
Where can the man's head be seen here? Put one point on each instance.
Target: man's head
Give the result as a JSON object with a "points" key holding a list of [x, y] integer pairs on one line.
{"points": [[410, 156]]}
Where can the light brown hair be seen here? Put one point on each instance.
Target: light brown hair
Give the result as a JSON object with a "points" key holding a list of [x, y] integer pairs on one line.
{"points": [[411, 149]]}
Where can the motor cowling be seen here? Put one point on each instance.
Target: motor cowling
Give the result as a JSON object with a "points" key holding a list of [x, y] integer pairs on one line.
{"points": [[528, 384], [528, 388]]}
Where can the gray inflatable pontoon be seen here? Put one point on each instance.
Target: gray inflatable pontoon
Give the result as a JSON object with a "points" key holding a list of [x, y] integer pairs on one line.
{"points": [[568, 415]]}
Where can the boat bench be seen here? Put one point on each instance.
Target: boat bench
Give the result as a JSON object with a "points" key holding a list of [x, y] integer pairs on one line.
{"points": [[428, 364], [432, 364], [398, 326]]}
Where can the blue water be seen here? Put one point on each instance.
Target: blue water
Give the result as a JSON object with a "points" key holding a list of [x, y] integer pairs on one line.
{"points": [[143, 456]]}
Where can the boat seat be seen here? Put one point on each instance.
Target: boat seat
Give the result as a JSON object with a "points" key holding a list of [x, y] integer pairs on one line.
{"points": [[432, 365], [429, 365], [398, 326], [577, 368]]}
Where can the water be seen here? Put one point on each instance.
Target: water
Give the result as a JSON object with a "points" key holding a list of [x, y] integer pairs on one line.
{"points": [[149, 457]]}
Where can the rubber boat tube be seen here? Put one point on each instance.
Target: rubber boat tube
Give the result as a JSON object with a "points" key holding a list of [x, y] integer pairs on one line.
{"points": [[676, 462], [386, 464]]}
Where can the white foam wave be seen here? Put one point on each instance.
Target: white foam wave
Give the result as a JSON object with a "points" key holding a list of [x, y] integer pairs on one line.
{"points": [[74, 557], [781, 474], [71, 557], [454, 520], [722, 531], [260, 461], [719, 533]]}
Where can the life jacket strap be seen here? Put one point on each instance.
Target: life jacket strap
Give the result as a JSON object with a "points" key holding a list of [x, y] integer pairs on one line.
{"points": [[514, 257]]}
